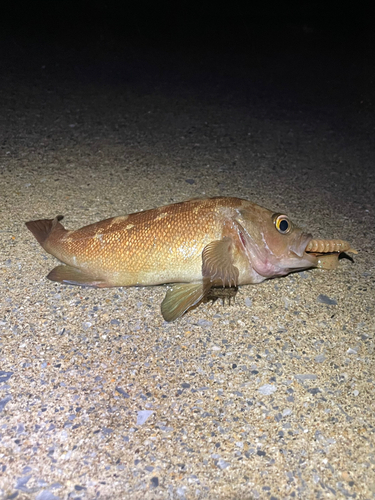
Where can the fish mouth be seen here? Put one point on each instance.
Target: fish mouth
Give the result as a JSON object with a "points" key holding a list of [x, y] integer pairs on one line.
{"points": [[309, 246], [307, 251], [313, 252], [325, 253], [300, 258]]}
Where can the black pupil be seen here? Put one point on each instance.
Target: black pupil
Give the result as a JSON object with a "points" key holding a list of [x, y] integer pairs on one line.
{"points": [[283, 226]]}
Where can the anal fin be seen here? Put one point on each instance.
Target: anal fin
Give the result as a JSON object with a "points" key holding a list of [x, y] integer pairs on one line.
{"points": [[73, 276], [180, 298]]}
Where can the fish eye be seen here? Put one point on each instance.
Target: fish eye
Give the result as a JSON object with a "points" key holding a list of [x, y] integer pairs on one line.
{"points": [[282, 223]]}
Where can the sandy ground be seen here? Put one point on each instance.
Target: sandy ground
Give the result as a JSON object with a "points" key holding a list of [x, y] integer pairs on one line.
{"points": [[272, 397]]}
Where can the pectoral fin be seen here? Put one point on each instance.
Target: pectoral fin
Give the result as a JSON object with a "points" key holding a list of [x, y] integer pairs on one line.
{"points": [[180, 298], [218, 262], [73, 276]]}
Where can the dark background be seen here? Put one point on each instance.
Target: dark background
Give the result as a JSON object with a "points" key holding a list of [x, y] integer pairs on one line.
{"points": [[315, 57], [212, 24]]}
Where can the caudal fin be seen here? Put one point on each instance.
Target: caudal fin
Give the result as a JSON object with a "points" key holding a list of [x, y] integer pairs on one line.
{"points": [[42, 229]]}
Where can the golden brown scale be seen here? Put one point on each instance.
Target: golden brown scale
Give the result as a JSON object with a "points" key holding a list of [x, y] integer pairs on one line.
{"points": [[197, 243], [127, 249]]}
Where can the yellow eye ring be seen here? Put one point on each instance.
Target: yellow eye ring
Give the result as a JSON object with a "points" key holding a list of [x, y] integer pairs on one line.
{"points": [[282, 223]]}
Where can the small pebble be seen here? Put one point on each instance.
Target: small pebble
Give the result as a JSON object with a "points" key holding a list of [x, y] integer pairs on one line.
{"points": [[320, 358], [5, 376], [21, 483], [222, 464], [305, 376], [155, 482], [324, 299], [143, 415], [121, 391], [248, 302], [204, 322], [46, 495], [267, 389], [351, 351], [4, 401], [107, 431]]}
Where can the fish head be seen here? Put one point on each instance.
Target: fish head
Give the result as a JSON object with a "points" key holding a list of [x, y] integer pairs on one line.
{"points": [[274, 245]]}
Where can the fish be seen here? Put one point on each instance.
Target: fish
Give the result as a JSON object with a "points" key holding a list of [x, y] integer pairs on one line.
{"points": [[194, 246]]}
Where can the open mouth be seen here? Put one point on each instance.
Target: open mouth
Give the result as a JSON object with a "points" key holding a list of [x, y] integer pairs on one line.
{"points": [[326, 252]]}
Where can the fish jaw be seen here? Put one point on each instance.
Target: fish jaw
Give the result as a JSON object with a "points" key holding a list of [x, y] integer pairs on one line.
{"points": [[298, 259], [267, 259], [294, 260], [302, 255]]}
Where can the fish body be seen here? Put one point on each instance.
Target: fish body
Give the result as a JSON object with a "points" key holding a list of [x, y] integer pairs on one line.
{"points": [[199, 243]]}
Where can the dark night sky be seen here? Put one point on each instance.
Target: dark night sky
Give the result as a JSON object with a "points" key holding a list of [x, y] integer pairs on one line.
{"points": [[311, 55], [212, 24]]}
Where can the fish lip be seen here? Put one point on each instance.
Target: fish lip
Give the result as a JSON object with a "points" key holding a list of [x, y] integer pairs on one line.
{"points": [[299, 248], [303, 260]]}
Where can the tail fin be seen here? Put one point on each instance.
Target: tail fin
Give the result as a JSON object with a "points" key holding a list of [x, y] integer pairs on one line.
{"points": [[41, 229]]}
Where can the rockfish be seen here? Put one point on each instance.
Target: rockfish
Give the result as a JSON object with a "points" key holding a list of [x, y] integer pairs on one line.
{"points": [[194, 245]]}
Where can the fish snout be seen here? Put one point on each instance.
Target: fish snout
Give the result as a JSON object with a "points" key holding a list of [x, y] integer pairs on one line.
{"points": [[300, 244]]}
